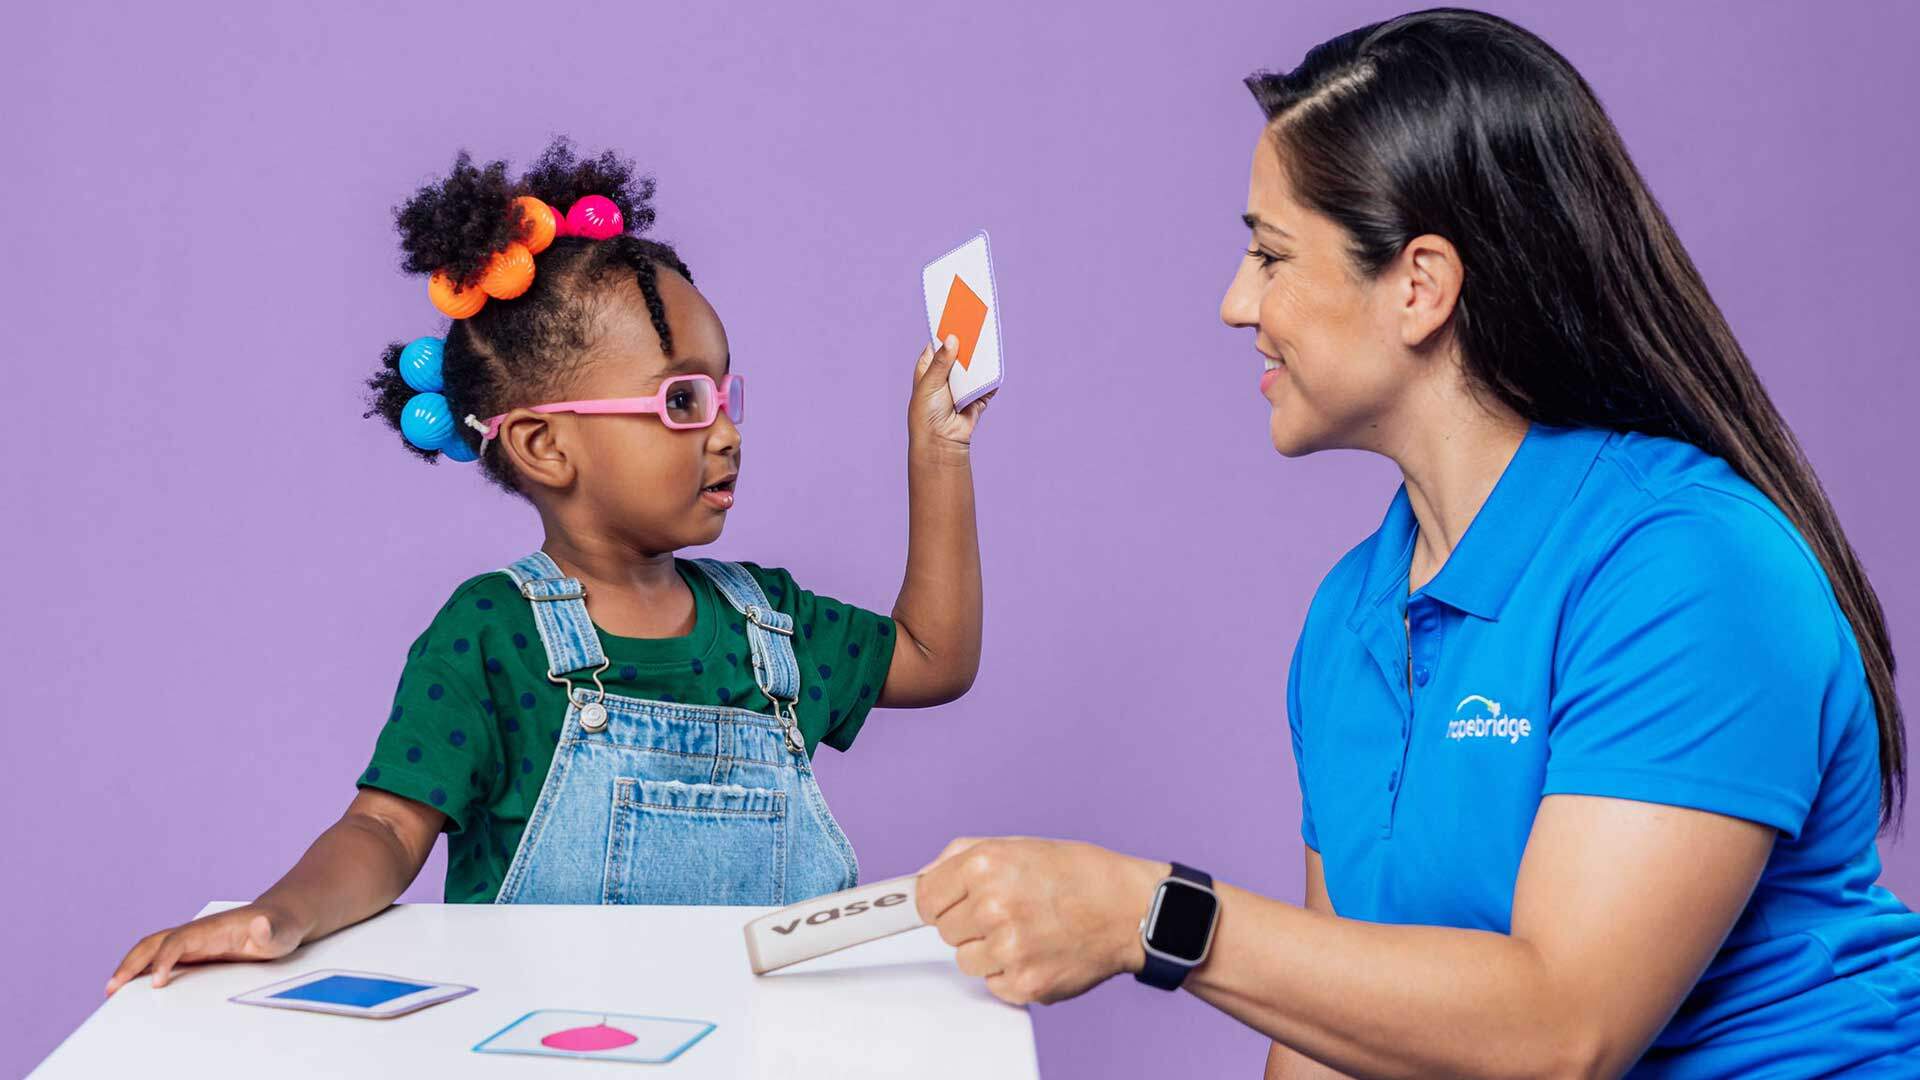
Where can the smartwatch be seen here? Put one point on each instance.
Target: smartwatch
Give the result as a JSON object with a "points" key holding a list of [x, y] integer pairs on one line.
{"points": [[1178, 929]]}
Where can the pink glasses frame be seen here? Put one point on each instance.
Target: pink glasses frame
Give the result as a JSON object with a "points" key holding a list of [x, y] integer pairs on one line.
{"points": [[729, 396]]}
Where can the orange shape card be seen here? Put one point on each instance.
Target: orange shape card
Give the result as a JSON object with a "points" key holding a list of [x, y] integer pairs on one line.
{"points": [[964, 317]]}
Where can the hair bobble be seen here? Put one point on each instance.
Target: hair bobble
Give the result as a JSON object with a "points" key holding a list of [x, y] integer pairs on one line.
{"points": [[427, 419], [539, 223], [454, 301], [510, 272], [595, 217]]}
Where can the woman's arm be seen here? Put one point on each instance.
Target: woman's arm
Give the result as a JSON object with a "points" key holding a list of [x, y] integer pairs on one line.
{"points": [[361, 864], [1618, 908], [1284, 1063], [938, 613]]}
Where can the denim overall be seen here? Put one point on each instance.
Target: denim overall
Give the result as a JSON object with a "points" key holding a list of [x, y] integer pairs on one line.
{"points": [[653, 802]]}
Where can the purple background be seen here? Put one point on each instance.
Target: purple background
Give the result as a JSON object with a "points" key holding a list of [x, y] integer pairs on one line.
{"points": [[216, 564]]}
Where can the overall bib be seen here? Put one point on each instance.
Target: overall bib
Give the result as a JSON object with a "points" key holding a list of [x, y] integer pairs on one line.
{"points": [[654, 802]]}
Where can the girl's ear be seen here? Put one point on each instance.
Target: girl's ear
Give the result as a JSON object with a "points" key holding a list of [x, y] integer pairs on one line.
{"points": [[534, 448]]}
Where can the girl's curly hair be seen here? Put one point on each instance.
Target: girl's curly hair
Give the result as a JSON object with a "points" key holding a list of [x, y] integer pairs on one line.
{"points": [[518, 351]]}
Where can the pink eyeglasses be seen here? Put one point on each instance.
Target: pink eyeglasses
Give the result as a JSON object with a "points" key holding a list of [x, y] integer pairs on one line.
{"points": [[683, 402]]}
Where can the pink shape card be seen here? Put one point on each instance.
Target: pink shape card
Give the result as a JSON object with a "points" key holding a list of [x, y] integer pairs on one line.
{"points": [[650, 1040]]}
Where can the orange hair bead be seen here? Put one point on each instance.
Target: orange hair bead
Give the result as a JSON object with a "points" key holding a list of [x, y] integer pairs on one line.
{"points": [[453, 301], [537, 219], [508, 273]]}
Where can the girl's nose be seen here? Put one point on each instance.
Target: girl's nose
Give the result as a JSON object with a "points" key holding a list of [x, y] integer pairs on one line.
{"points": [[724, 436]]}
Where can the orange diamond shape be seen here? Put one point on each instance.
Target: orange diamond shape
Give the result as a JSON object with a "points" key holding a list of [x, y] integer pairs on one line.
{"points": [[966, 313]]}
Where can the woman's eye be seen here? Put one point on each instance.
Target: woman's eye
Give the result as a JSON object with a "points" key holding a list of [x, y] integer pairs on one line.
{"points": [[1266, 260]]}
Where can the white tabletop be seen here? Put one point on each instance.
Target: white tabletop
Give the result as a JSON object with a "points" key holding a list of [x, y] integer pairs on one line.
{"points": [[890, 1008]]}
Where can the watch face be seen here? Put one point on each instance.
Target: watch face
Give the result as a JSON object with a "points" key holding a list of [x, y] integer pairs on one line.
{"points": [[1182, 921]]}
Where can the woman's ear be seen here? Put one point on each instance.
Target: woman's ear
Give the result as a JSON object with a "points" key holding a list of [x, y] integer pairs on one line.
{"points": [[1429, 266], [535, 450]]}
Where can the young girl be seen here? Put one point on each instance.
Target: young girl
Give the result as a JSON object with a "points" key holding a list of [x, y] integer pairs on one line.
{"points": [[602, 722]]}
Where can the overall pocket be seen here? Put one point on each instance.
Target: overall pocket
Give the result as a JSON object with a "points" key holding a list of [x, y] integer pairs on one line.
{"points": [[679, 843]]}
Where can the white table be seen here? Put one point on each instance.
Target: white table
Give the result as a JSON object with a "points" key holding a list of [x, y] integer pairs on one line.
{"points": [[892, 1008]]}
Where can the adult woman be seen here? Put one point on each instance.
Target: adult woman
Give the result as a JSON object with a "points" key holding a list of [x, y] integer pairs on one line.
{"points": [[1594, 782]]}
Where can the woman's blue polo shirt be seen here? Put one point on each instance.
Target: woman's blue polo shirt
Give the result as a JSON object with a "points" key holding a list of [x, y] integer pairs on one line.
{"points": [[1625, 617]]}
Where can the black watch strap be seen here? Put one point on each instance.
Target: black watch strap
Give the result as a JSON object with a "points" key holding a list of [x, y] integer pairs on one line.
{"points": [[1160, 972]]}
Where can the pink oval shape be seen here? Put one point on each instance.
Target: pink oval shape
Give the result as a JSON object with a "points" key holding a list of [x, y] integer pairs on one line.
{"points": [[589, 1039]]}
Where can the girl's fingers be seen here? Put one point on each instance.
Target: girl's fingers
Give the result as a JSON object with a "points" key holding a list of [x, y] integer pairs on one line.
{"points": [[940, 364], [973, 411], [136, 961], [169, 956]]}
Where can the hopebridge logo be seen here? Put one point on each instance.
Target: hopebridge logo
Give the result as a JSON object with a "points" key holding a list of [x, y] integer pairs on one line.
{"points": [[1478, 717]]}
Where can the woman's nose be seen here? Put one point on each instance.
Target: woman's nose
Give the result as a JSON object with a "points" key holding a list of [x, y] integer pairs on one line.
{"points": [[1241, 305]]}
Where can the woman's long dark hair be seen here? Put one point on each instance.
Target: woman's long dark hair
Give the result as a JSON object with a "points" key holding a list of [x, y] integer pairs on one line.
{"points": [[1579, 308]]}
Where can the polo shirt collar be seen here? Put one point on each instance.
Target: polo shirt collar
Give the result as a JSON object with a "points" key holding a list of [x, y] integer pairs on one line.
{"points": [[1504, 537]]}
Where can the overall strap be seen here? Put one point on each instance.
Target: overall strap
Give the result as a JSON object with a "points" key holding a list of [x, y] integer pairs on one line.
{"points": [[560, 612], [769, 631]]}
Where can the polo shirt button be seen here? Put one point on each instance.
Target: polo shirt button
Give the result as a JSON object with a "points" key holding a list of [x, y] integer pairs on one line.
{"points": [[1392, 781], [1421, 675]]}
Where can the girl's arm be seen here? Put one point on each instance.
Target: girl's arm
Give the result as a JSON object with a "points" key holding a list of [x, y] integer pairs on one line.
{"points": [[353, 871], [938, 612], [1619, 906]]}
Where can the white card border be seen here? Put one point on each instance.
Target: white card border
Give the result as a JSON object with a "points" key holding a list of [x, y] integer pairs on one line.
{"points": [[386, 1010]]}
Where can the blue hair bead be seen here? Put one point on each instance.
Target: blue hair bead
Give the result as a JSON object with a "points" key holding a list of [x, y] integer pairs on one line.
{"points": [[420, 363], [427, 421], [458, 450]]}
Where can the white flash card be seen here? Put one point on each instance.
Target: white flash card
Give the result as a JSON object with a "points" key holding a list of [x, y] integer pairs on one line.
{"points": [[961, 301], [832, 922]]}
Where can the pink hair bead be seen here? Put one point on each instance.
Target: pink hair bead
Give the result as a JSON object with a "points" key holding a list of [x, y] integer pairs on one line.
{"points": [[559, 222], [595, 217]]}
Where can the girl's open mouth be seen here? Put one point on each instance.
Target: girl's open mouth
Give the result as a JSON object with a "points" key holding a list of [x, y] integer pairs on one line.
{"points": [[719, 495]]}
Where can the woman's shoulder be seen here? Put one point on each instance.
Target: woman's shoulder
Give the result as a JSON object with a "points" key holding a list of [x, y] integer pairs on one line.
{"points": [[1701, 536], [1696, 511]]}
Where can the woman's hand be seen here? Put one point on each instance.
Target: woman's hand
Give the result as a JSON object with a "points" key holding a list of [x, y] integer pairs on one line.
{"points": [[1041, 920], [254, 932], [933, 420]]}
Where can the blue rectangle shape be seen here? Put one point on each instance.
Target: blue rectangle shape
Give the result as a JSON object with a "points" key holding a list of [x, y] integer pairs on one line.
{"points": [[351, 990]]}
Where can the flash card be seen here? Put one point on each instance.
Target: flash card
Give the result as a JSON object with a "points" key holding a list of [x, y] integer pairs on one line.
{"points": [[962, 301], [649, 1040], [832, 922], [354, 993]]}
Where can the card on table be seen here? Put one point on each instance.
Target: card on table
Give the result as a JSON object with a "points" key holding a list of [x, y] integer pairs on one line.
{"points": [[832, 922], [962, 301], [353, 993], [650, 1040]]}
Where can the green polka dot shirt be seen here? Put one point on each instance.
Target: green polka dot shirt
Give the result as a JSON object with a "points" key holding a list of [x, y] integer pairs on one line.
{"points": [[475, 720]]}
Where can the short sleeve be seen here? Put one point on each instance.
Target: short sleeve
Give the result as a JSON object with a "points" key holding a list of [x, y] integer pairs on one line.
{"points": [[844, 649], [438, 745], [1694, 665], [1307, 832]]}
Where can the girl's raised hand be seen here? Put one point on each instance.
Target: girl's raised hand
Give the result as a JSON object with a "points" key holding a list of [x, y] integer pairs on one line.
{"points": [[932, 414], [253, 932]]}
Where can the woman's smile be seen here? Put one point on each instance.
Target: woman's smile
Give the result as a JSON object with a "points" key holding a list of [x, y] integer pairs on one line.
{"points": [[1275, 369]]}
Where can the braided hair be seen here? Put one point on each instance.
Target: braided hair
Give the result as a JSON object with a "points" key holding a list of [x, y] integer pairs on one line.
{"points": [[525, 350]]}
